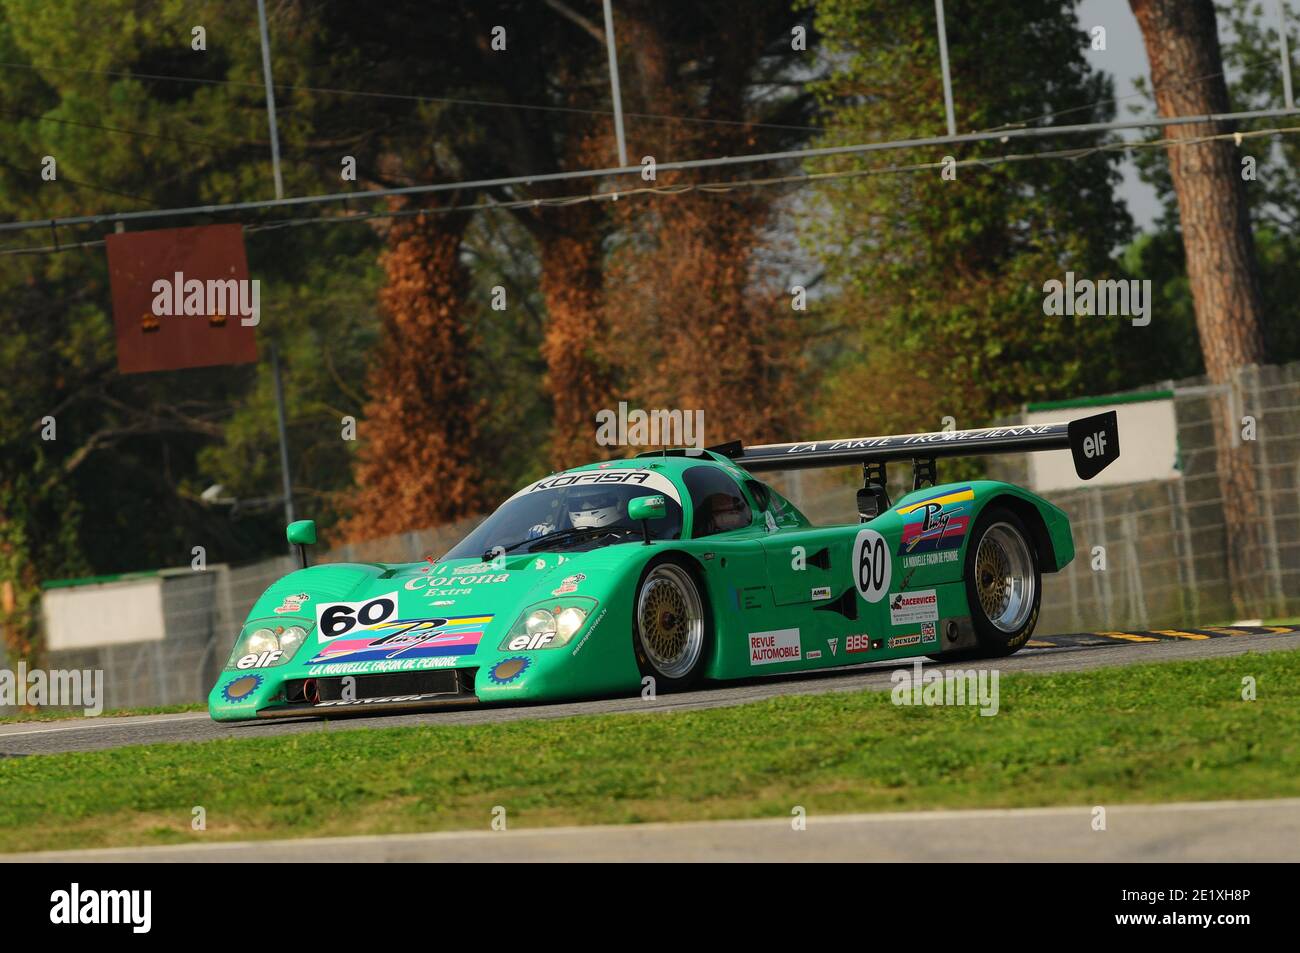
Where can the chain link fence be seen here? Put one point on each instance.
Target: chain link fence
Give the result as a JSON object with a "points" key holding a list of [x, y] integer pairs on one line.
{"points": [[1154, 555], [1164, 544]]}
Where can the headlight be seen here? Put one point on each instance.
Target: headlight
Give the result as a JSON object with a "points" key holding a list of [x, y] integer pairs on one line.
{"points": [[569, 621], [266, 646], [548, 625], [291, 638], [263, 640], [540, 622]]}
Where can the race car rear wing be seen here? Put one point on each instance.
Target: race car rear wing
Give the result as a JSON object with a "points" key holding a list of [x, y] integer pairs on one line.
{"points": [[1092, 441]]}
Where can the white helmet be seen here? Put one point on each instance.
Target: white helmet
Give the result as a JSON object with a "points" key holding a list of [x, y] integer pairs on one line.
{"points": [[591, 510]]}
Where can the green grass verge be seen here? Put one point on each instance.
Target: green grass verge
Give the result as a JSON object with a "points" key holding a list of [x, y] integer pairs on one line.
{"points": [[1170, 731], [60, 714]]}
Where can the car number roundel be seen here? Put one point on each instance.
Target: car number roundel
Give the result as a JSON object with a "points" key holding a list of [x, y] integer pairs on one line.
{"points": [[871, 565], [335, 619]]}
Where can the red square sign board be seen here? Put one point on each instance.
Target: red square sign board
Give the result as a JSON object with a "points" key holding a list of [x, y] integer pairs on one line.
{"points": [[170, 288]]}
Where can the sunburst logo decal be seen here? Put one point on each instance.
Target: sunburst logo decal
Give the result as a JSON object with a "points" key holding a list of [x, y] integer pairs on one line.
{"points": [[509, 670], [241, 688]]}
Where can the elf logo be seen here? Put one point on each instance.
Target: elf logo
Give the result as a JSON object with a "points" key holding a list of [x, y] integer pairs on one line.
{"points": [[530, 643], [1094, 443], [261, 660]]}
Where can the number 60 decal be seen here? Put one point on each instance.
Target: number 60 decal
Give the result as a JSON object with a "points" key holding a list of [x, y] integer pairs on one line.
{"points": [[871, 565], [334, 619]]}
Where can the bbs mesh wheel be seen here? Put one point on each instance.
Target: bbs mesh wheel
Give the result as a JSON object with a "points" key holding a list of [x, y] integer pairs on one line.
{"points": [[1003, 582], [670, 625]]}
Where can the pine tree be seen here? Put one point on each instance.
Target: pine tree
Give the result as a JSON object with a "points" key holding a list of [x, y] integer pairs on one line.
{"points": [[1182, 41]]}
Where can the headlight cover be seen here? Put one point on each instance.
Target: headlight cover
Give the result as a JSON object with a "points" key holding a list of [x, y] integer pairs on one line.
{"points": [[266, 644], [549, 625]]}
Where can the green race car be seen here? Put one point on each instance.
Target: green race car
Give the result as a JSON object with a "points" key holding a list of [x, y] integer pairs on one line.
{"points": [[657, 572]]}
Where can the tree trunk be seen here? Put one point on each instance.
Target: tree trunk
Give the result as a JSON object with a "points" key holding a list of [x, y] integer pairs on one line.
{"points": [[1182, 44], [415, 462]]}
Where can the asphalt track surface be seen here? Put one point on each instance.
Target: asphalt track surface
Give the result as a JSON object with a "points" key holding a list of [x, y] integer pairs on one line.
{"points": [[1200, 831], [1061, 653]]}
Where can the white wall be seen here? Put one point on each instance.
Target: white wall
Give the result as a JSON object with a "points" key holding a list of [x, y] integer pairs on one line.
{"points": [[1148, 447], [105, 613]]}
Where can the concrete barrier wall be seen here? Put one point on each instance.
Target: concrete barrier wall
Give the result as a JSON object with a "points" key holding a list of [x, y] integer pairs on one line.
{"points": [[187, 620], [178, 667]]}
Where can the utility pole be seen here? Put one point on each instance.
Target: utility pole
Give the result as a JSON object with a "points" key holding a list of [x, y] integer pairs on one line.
{"points": [[286, 480], [943, 65], [270, 99], [613, 84]]}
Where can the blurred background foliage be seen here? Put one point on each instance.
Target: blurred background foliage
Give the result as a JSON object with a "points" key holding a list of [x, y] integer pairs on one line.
{"points": [[925, 295]]}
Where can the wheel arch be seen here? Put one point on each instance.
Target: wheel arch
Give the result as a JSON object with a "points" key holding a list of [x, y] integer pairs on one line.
{"points": [[1049, 560], [687, 559], [695, 567]]}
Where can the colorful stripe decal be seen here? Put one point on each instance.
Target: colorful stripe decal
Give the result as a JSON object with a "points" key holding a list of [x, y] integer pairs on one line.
{"points": [[405, 639], [943, 499]]}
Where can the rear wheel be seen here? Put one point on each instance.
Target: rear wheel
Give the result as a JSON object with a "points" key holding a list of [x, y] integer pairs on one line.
{"points": [[1003, 582], [670, 625]]}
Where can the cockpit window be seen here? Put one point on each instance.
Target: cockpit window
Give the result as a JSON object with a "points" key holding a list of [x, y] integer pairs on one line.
{"points": [[717, 502], [570, 517]]}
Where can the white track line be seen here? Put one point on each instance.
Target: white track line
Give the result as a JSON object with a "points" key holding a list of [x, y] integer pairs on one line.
{"points": [[890, 817], [110, 722]]}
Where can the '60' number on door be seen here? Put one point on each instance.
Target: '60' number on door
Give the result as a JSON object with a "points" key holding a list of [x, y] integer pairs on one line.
{"points": [[871, 565]]}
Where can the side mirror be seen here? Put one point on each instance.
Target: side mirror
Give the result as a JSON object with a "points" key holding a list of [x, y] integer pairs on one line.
{"points": [[301, 533], [646, 508], [871, 503]]}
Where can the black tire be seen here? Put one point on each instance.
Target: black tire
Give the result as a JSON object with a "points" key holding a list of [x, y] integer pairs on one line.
{"points": [[671, 638], [1002, 565]]}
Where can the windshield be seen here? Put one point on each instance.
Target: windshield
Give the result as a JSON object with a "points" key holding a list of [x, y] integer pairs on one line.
{"points": [[570, 513]]}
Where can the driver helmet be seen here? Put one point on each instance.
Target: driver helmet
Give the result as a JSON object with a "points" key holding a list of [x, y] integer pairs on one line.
{"points": [[593, 508]]}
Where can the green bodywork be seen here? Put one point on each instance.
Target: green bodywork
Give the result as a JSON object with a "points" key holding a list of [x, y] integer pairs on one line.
{"points": [[782, 596]]}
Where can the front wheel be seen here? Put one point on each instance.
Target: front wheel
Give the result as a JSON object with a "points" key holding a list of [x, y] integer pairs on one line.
{"points": [[670, 625], [1003, 582]]}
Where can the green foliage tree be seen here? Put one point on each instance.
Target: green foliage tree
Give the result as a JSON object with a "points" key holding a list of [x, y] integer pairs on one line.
{"points": [[934, 286], [113, 483]]}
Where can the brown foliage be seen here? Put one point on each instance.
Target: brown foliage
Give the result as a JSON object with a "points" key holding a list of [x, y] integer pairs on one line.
{"points": [[696, 325], [693, 327], [415, 460], [577, 376]]}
